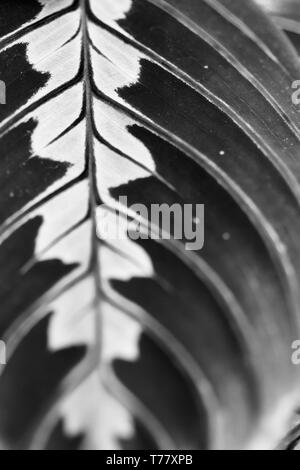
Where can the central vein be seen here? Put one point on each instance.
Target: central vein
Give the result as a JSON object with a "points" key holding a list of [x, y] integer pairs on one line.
{"points": [[91, 165]]}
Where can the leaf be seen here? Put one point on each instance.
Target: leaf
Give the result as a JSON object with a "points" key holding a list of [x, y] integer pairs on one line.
{"points": [[119, 343]]}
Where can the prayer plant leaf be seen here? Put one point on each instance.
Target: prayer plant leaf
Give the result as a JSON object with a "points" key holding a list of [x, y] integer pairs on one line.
{"points": [[125, 342]]}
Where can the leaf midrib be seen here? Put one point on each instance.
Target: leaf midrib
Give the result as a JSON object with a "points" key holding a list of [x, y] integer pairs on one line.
{"points": [[91, 165]]}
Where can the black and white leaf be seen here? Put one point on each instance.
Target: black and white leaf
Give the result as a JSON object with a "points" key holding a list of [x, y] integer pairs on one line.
{"points": [[134, 344]]}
